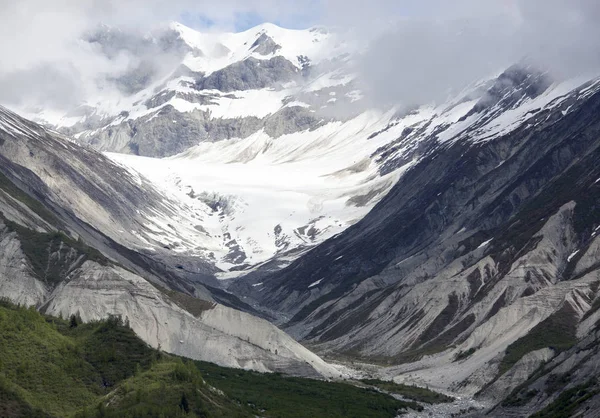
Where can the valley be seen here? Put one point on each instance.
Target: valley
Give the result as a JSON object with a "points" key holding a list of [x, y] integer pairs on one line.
{"points": [[247, 207]]}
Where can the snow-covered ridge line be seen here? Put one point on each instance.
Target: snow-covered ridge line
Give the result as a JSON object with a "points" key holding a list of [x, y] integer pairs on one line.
{"points": [[219, 50]]}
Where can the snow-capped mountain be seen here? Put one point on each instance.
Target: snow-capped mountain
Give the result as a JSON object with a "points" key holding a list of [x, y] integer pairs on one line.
{"points": [[269, 115], [244, 118], [210, 88]]}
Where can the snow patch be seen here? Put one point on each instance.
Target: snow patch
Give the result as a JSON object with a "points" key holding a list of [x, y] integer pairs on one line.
{"points": [[572, 256], [315, 283], [485, 244]]}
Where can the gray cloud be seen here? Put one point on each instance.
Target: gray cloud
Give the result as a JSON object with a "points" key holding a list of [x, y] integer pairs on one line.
{"points": [[426, 61], [42, 85], [438, 48]]}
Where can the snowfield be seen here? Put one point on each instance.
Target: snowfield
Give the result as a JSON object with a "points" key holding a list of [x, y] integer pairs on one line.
{"points": [[275, 195]]}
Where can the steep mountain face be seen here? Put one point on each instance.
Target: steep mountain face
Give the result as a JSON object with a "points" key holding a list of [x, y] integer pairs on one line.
{"points": [[481, 262], [71, 225], [97, 193]]}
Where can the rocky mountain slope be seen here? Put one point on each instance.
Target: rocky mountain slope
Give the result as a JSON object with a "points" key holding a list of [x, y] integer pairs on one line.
{"points": [[207, 88], [480, 265], [70, 224]]}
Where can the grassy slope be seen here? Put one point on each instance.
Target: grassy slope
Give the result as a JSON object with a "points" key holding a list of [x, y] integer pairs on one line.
{"points": [[274, 395], [170, 388], [51, 255], [59, 369], [50, 369], [414, 393], [558, 331]]}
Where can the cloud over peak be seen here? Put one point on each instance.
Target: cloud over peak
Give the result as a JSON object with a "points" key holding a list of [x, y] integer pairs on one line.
{"points": [[419, 49]]}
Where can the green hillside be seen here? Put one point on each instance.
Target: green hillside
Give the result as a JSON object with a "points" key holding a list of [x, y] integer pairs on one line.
{"points": [[52, 367]]}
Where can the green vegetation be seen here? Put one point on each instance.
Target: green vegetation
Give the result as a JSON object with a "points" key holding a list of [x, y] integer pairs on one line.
{"points": [[274, 395], [567, 402], [410, 392], [47, 365], [11, 405], [53, 255], [171, 388], [465, 354], [557, 382], [556, 332], [519, 399], [52, 367]]}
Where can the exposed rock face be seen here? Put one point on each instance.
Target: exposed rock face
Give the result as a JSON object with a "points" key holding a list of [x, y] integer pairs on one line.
{"points": [[91, 194], [250, 74], [173, 132], [217, 334], [566, 382], [518, 374], [265, 45], [15, 281]]}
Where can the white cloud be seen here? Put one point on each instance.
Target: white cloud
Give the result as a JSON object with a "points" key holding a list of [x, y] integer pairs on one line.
{"points": [[431, 45], [44, 62]]}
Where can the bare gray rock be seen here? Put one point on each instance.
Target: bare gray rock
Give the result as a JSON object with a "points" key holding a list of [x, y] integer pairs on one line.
{"points": [[265, 45]]}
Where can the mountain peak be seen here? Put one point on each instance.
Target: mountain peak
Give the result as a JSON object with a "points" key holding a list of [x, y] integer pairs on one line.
{"points": [[265, 27], [258, 29], [181, 28]]}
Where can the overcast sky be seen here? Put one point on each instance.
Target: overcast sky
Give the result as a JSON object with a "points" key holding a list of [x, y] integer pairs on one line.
{"points": [[428, 47]]}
